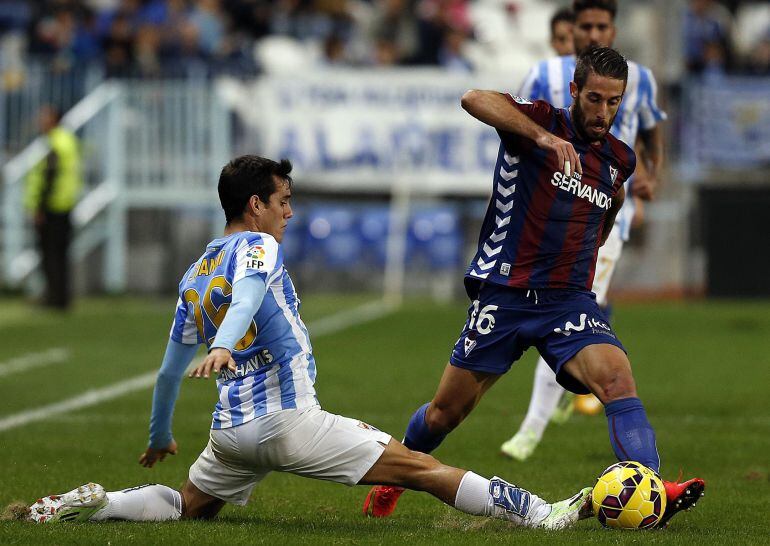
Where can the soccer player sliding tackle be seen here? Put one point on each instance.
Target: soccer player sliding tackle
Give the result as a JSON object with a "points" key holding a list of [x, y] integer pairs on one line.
{"points": [[558, 184], [239, 300]]}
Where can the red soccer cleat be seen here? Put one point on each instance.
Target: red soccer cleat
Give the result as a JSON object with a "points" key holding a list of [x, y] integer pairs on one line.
{"points": [[681, 496], [382, 500]]}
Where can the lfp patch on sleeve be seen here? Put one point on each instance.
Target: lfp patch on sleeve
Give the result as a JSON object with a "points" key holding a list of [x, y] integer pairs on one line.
{"points": [[261, 255], [255, 258]]}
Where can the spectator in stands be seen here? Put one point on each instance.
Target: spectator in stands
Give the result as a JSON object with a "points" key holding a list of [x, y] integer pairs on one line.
{"points": [[209, 20], [147, 51], [298, 19], [706, 34], [52, 190], [392, 24], [385, 52], [759, 58], [714, 62], [334, 51], [434, 17], [451, 55], [117, 44]]}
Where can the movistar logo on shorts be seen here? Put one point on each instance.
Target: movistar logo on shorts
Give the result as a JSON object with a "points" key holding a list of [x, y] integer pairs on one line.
{"points": [[575, 186], [597, 326]]}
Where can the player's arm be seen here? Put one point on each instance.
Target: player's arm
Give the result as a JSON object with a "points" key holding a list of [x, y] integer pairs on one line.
{"points": [[175, 361], [248, 293], [649, 149], [617, 203], [650, 140], [495, 109]]}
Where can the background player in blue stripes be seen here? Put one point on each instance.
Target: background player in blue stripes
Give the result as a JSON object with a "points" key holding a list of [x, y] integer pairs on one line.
{"points": [[636, 124], [239, 300], [561, 32], [530, 280]]}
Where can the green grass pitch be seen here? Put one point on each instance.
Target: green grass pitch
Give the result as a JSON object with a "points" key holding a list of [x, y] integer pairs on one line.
{"points": [[702, 370]]}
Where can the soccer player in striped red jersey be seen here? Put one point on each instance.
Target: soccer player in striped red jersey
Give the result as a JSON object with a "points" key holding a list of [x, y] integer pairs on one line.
{"points": [[558, 184], [637, 122]]}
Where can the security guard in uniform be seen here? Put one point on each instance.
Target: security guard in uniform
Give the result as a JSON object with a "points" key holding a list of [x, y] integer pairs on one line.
{"points": [[52, 190]]}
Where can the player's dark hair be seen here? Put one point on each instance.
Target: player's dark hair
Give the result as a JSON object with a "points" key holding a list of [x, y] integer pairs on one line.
{"points": [[249, 175], [606, 5], [602, 61], [564, 14]]}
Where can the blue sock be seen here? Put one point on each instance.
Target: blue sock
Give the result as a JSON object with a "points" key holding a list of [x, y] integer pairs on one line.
{"points": [[418, 437], [631, 434]]}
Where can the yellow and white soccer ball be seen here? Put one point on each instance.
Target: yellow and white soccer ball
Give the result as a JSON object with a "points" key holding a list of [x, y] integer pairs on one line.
{"points": [[628, 495]]}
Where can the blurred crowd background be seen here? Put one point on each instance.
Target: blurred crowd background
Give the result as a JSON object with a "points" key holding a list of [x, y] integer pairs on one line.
{"points": [[152, 38], [202, 80]]}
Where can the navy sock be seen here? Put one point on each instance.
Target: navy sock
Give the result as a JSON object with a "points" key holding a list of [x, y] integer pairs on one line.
{"points": [[631, 434], [418, 437]]}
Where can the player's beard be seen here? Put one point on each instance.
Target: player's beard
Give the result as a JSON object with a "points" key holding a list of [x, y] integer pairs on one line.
{"points": [[579, 120]]}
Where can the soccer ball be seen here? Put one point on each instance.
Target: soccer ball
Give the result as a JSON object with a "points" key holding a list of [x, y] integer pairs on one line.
{"points": [[628, 495]]}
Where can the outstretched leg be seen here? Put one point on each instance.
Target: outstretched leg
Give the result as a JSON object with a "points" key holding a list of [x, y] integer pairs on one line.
{"points": [[471, 493], [150, 502]]}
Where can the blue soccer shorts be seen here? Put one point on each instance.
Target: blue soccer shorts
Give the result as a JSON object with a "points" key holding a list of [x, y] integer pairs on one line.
{"points": [[504, 322]]}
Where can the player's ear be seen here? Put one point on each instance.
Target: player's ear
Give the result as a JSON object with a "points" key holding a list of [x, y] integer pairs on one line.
{"points": [[253, 205], [573, 90]]}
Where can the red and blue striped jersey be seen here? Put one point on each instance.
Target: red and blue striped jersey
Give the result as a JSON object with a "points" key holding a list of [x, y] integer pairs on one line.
{"points": [[542, 229]]}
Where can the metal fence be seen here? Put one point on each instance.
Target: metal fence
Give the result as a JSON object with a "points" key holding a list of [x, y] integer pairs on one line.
{"points": [[38, 83], [145, 145]]}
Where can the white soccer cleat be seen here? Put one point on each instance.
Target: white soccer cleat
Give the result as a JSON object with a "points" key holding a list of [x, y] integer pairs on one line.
{"points": [[521, 446], [77, 505], [566, 513]]}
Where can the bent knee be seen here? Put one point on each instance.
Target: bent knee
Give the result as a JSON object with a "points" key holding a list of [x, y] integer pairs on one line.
{"points": [[619, 383]]}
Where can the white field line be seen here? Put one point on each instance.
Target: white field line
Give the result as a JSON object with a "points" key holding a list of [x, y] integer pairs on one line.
{"points": [[25, 362], [322, 327]]}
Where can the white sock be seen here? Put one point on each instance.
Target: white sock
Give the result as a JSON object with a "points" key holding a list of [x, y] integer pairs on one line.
{"points": [[151, 502], [499, 499], [546, 393]]}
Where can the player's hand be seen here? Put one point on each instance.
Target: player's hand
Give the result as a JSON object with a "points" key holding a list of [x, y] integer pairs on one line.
{"points": [[152, 455], [217, 359], [644, 186], [566, 155]]}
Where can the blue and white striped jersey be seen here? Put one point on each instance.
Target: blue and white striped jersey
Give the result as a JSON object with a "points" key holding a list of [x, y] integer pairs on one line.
{"points": [[275, 364], [549, 81]]}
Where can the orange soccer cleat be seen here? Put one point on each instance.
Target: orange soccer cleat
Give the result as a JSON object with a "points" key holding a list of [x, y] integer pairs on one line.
{"points": [[681, 496], [382, 500]]}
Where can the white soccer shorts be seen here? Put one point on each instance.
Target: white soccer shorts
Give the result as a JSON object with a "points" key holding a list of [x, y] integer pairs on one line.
{"points": [[607, 259], [308, 442]]}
